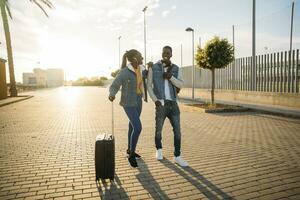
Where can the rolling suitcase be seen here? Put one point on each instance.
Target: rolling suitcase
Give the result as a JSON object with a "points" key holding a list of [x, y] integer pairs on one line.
{"points": [[105, 154]]}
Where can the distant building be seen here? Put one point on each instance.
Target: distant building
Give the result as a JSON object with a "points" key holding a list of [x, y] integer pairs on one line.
{"points": [[55, 77], [41, 77], [44, 78], [29, 79]]}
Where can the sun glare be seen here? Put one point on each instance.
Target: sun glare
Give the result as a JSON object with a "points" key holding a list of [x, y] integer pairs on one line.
{"points": [[77, 59], [69, 96]]}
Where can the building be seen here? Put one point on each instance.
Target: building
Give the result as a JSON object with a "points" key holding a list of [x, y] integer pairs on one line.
{"points": [[41, 77], [29, 79], [44, 78], [55, 77]]}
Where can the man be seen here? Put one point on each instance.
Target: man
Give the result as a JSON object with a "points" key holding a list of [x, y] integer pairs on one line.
{"points": [[164, 80]]}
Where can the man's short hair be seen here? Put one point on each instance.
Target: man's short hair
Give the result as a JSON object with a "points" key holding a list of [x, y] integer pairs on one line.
{"points": [[168, 47]]}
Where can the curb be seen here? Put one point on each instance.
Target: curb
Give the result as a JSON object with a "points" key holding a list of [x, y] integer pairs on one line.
{"points": [[17, 100], [260, 108]]}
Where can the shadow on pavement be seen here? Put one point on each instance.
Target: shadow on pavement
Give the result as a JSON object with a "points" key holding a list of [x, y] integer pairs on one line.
{"points": [[148, 182], [111, 189], [196, 179]]}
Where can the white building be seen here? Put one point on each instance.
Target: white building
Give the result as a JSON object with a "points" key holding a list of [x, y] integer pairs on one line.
{"points": [[44, 78], [41, 77], [29, 79], [55, 77]]}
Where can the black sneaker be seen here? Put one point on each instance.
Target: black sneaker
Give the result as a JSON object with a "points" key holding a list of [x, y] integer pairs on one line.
{"points": [[132, 161], [135, 154]]}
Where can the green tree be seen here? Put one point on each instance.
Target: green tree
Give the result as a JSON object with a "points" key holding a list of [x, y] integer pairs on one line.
{"points": [[88, 82], [5, 10], [217, 53], [103, 78]]}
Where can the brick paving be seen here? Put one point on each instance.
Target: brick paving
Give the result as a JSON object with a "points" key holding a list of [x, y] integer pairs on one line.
{"points": [[47, 152]]}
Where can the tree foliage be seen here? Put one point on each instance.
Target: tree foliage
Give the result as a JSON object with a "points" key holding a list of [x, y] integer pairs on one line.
{"points": [[217, 53], [103, 78], [88, 82], [5, 10]]}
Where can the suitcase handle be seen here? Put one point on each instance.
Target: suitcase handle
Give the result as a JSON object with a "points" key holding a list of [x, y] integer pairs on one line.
{"points": [[112, 119]]}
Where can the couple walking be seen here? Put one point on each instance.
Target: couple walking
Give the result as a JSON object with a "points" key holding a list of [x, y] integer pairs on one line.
{"points": [[163, 83]]}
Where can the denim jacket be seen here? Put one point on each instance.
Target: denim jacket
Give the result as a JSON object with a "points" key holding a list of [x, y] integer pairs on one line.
{"points": [[127, 79], [156, 83]]}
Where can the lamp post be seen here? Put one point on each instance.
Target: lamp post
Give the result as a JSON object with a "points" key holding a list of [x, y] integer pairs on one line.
{"points": [[119, 38], [181, 55], [291, 87], [193, 68], [145, 55], [253, 78], [200, 42]]}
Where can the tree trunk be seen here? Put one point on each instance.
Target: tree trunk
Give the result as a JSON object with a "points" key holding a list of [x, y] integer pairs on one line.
{"points": [[213, 86], [13, 89]]}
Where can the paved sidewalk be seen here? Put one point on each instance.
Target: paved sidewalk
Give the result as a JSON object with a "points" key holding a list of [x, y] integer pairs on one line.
{"points": [[47, 152], [10, 100], [282, 110]]}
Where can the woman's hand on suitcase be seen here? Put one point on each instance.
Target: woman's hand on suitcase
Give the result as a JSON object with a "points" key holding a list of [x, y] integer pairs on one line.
{"points": [[111, 98]]}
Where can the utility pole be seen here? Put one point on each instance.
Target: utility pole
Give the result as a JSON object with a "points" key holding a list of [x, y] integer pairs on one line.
{"points": [[253, 78], [292, 25], [233, 41], [233, 84], [119, 38], [145, 56], [181, 55], [200, 42], [189, 29], [289, 79]]}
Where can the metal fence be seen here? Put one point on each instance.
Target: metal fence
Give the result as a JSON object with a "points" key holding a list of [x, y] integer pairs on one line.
{"points": [[275, 72]]}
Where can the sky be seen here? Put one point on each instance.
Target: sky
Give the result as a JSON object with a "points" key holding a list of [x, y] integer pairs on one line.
{"points": [[81, 36]]}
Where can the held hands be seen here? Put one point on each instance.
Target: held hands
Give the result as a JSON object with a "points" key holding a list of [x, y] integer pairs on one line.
{"points": [[157, 103], [150, 64], [111, 98], [145, 72]]}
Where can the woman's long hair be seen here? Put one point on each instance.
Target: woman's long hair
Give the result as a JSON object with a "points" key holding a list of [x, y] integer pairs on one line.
{"points": [[130, 56]]}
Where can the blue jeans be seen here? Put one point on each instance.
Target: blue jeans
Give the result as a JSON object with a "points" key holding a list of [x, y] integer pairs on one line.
{"points": [[172, 112], [135, 126]]}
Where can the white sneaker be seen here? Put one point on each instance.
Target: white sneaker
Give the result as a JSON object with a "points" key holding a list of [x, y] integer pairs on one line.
{"points": [[181, 162], [159, 155]]}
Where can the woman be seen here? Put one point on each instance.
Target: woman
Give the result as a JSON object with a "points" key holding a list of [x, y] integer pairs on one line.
{"points": [[130, 78]]}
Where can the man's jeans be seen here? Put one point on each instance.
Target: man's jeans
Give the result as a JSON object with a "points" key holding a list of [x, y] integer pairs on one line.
{"points": [[171, 111]]}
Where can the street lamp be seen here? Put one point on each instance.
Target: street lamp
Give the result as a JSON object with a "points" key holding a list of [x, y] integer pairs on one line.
{"points": [[189, 29], [200, 42], [145, 56], [266, 49], [119, 38], [144, 10]]}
